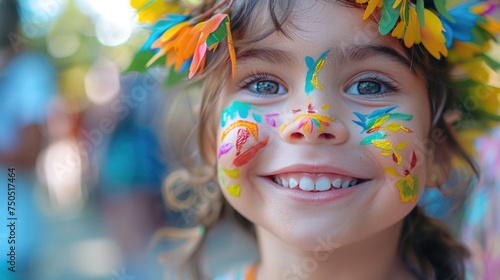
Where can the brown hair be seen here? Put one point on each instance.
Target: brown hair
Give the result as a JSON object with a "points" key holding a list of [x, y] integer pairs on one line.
{"points": [[427, 247]]}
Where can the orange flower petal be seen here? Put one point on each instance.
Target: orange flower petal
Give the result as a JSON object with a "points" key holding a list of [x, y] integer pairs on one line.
{"points": [[230, 47]]}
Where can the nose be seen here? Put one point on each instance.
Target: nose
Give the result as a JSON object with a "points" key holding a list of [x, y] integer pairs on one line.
{"points": [[314, 128]]}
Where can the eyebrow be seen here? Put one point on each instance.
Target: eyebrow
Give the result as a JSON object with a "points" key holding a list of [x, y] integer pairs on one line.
{"points": [[353, 52], [363, 52], [271, 55]]}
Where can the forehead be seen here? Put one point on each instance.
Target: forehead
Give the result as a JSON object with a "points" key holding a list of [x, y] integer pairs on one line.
{"points": [[320, 24]]}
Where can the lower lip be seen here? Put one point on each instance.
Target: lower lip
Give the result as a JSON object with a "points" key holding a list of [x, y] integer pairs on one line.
{"points": [[317, 197]]}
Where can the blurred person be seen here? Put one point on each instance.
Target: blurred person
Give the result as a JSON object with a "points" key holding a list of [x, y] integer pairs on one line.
{"points": [[128, 162], [27, 84]]}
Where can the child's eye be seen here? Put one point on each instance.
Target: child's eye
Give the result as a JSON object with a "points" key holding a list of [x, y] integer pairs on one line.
{"points": [[371, 85], [263, 85]]}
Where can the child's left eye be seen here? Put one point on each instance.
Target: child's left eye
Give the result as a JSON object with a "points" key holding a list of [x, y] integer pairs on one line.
{"points": [[371, 85], [263, 85]]}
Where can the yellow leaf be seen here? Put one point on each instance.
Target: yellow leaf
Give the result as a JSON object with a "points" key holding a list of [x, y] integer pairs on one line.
{"points": [[234, 190], [398, 158], [380, 121], [391, 171], [235, 174], [386, 154], [401, 146], [394, 127], [382, 144]]}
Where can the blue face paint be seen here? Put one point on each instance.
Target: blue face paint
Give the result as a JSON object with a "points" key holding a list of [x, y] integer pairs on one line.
{"points": [[236, 108], [314, 67]]}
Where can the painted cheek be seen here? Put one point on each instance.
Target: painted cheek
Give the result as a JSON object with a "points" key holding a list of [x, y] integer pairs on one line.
{"points": [[241, 140], [382, 129]]}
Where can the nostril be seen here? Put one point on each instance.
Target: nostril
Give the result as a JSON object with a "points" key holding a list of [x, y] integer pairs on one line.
{"points": [[297, 135], [327, 136]]}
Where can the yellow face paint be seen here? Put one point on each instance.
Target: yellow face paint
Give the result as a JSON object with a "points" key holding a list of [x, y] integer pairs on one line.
{"points": [[314, 67]]}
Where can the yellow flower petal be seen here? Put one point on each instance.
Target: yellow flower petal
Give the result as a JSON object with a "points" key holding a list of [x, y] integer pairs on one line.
{"points": [[432, 35], [372, 4], [151, 10]]}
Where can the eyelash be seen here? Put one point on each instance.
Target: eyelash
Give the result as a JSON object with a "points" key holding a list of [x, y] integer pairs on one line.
{"points": [[391, 87], [257, 77]]}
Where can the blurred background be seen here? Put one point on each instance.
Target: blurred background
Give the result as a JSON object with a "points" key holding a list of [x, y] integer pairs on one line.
{"points": [[88, 144], [85, 141]]}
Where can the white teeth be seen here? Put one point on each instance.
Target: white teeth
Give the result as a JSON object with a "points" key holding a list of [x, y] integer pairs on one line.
{"points": [[346, 184], [284, 183], [337, 183], [306, 184], [323, 184]]}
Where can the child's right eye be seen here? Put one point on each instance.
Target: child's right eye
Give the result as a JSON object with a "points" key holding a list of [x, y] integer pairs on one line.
{"points": [[263, 85]]}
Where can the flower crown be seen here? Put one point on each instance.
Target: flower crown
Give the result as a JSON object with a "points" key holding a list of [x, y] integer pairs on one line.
{"points": [[183, 31]]}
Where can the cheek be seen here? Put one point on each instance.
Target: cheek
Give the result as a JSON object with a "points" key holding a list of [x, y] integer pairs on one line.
{"points": [[394, 139], [243, 134]]}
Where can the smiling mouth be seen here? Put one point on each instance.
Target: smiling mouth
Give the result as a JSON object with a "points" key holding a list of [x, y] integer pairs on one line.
{"points": [[315, 183]]}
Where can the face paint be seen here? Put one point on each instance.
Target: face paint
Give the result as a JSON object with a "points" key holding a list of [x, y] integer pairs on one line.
{"points": [[236, 108], [310, 109], [221, 176], [249, 154], [270, 119], [388, 149], [373, 122], [234, 174], [325, 107], [408, 184], [308, 121], [232, 118], [251, 127], [241, 139], [375, 126], [295, 111], [225, 148], [314, 67], [257, 118], [234, 190]]}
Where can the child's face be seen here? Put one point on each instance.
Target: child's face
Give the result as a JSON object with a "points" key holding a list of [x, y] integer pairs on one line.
{"points": [[335, 113]]}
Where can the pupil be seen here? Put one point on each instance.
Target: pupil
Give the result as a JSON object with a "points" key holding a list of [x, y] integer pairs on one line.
{"points": [[267, 87], [369, 88]]}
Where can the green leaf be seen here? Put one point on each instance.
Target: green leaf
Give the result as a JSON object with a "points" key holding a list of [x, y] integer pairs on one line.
{"points": [[477, 37], [420, 12], [218, 35], [492, 63], [174, 78], [407, 15], [139, 61], [389, 17], [441, 8], [409, 188]]}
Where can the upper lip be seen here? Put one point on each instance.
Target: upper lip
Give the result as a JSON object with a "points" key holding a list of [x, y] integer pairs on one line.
{"points": [[314, 169]]}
